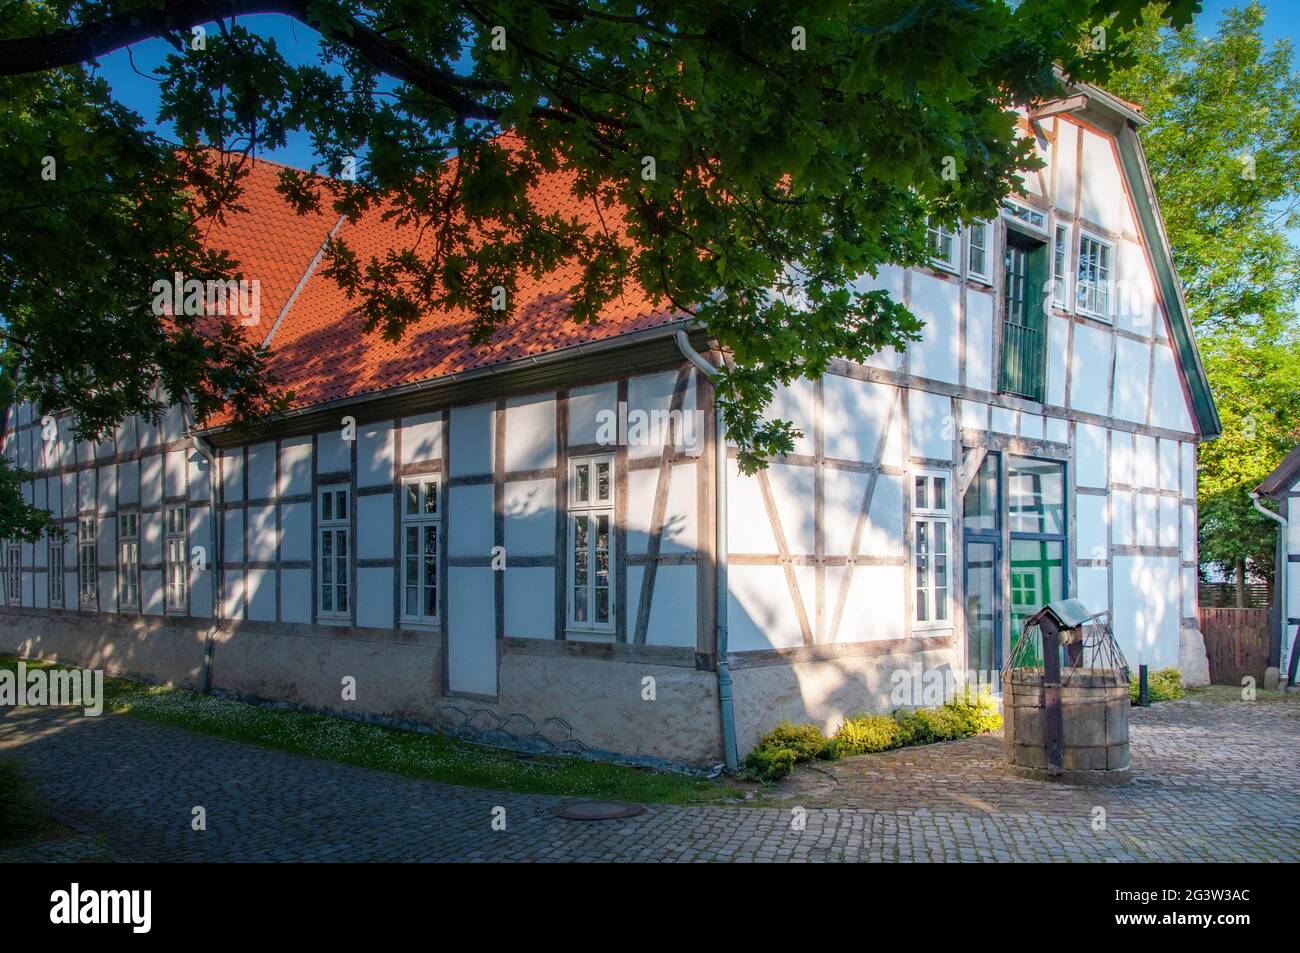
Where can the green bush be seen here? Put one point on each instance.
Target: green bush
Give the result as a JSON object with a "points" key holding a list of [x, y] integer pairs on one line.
{"points": [[786, 745], [1163, 686], [926, 725], [789, 744], [806, 741], [864, 735], [769, 764], [978, 714]]}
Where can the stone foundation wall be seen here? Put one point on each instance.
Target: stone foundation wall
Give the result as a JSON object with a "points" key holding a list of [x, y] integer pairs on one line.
{"points": [[600, 692], [824, 685]]}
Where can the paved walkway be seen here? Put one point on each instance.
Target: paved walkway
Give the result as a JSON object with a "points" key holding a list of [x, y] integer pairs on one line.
{"points": [[1218, 781]]}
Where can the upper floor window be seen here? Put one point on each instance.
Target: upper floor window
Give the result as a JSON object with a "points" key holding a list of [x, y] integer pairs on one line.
{"points": [[978, 251], [1061, 266], [931, 521], [56, 573], [1027, 215], [591, 543], [176, 567], [1092, 284], [945, 249], [88, 566], [421, 529], [13, 572], [334, 538], [128, 560]]}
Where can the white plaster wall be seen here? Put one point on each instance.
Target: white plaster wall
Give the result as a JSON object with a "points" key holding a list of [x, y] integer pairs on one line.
{"points": [[421, 438], [585, 404], [979, 339], [530, 602], [530, 433], [671, 621], [1147, 609], [930, 425], [1090, 370], [530, 516], [938, 302], [473, 438], [471, 630]]}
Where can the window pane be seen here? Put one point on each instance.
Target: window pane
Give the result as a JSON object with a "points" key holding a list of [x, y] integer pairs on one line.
{"points": [[602, 481], [412, 540], [1036, 578], [412, 498], [430, 497], [1035, 496], [412, 600], [327, 506], [602, 605], [919, 499], [940, 486], [579, 604], [581, 482], [979, 505]]}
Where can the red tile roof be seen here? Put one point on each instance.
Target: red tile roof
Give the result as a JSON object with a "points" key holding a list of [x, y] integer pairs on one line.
{"points": [[320, 350]]}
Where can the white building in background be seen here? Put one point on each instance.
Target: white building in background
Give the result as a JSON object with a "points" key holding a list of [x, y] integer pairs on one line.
{"points": [[462, 531], [1283, 487]]}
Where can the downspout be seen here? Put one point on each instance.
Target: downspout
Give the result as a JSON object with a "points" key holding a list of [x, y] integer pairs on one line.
{"points": [[201, 445], [725, 706], [1281, 574]]}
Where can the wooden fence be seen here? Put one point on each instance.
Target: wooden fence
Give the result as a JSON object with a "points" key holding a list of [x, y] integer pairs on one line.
{"points": [[1223, 595], [1236, 641]]}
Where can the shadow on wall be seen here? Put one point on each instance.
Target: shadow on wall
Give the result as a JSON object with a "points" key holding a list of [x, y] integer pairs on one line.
{"points": [[145, 648]]}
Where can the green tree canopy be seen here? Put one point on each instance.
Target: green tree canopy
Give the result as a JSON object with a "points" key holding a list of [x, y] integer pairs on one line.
{"points": [[1223, 145], [761, 156]]}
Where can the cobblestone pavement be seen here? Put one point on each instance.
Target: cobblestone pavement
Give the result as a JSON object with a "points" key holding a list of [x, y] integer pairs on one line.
{"points": [[1216, 781]]}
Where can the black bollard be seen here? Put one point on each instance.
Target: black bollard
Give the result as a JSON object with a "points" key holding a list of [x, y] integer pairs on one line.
{"points": [[1144, 690]]}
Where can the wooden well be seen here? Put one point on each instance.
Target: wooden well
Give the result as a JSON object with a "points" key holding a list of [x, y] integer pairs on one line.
{"points": [[1094, 705]]}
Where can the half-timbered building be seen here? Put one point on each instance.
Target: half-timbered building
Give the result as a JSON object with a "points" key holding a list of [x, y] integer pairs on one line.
{"points": [[543, 537]]}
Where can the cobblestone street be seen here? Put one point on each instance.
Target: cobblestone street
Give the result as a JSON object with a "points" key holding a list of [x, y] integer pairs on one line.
{"points": [[1217, 780]]}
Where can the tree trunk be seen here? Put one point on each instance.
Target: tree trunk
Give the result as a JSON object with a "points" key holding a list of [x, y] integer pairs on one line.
{"points": [[1241, 584]]}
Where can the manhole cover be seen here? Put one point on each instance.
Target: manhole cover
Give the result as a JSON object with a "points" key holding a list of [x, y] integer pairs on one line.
{"points": [[596, 810]]}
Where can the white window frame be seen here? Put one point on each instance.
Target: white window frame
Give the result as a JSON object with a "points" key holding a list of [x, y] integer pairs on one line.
{"points": [[1022, 214], [128, 560], [334, 528], [87, 563], [13, 572], [1107, 281], [175, 560], [1064, 279], [935, 523], [592, 508], [421, 521], [986, 276], [54, 574], [934, 234]]}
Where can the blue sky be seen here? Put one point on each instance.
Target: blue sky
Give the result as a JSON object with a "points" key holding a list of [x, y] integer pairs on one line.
{"points": [[300, 44]]}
